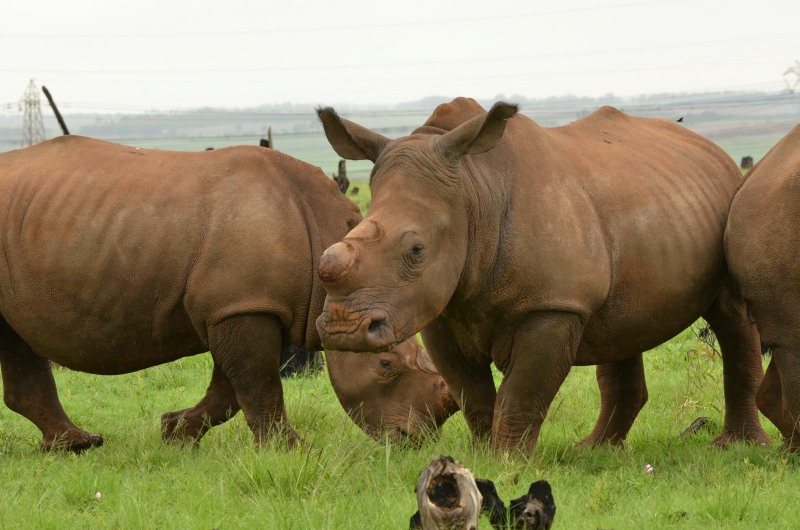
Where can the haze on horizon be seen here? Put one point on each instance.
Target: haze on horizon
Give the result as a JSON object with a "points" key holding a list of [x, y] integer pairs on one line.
{"points": [[131, 56]]}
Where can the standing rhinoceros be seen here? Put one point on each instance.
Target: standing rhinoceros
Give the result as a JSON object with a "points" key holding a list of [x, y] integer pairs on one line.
{"points": [[114, 259], [762, 244], [540, 249]]}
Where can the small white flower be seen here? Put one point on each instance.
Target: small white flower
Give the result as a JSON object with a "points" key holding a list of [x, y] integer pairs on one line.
{"points": [[648, 469], [98, 495]]}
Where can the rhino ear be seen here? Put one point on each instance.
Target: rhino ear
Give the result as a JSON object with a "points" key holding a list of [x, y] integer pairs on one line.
{"points": [[477, 135], [348, 139]]}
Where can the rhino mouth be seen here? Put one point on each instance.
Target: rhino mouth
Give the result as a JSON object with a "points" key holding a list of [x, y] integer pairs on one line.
{"points": [[373, 332]]}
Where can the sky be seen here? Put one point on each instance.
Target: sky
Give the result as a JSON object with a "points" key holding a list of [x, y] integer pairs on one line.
{"points": [[138, 55]]}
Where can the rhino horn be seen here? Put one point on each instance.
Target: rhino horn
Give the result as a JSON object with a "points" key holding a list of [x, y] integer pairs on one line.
{"points": [[336, 262]]}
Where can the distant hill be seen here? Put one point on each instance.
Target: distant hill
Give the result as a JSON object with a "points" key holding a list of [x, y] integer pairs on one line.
{"points": [[743, 123]]}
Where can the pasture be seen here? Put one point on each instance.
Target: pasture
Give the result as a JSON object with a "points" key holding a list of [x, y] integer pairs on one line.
{"points": [[343, 479]]}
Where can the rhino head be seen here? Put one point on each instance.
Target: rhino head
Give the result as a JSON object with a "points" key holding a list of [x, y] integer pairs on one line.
{"points": [[396, 393], [396, 271]]}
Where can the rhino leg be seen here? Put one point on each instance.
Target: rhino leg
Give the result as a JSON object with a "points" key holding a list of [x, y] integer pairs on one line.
{"points": [[29, 389], [770, 399], [779, 395], [543, 352], [247, 348], [741, 367], [623, 393], [217, 406], [471, 384]]}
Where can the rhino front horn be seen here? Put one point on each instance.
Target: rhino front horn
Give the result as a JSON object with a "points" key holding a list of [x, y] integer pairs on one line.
{"points": [[336, 262]]}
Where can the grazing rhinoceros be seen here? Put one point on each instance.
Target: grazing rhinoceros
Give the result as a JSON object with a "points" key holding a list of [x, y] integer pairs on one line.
{"points": [[117, 258], [762, 245], [540, 249]]}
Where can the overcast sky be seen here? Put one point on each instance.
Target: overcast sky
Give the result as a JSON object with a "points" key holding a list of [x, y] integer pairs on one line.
{"points": [[133, 55]]}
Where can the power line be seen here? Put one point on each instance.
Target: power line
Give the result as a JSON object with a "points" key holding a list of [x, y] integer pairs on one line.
{"points": [[692, 45], [737, 97], [351, 27]]}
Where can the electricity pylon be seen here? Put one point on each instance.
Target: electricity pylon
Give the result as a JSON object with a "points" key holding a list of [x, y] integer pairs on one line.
{"points": [[32, 124], [792, 71]]}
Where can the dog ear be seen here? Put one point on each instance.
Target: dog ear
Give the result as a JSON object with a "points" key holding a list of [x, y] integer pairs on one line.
{"points": [[492, 505]]}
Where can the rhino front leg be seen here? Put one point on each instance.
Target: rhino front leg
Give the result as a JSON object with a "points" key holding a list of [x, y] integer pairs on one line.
{"points": [[741, 368], [217, 406], [29, 389], [247, 348], [471, 384], [623, 393], [543, 352]]}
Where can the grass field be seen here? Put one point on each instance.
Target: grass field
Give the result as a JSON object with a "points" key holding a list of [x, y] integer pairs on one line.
{"points": [[344, 480]]}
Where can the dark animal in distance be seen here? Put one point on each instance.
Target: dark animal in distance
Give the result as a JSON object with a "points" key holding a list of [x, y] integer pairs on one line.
{"points": [[296, 360]]}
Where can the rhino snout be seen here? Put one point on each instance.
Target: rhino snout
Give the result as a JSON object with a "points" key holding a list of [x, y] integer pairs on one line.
{"points": [[373, 333], [379, 332]]}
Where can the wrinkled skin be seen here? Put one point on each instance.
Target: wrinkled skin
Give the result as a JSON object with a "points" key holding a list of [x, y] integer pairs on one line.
{"points": [[115, 259], [762, 245], [540, 249]]}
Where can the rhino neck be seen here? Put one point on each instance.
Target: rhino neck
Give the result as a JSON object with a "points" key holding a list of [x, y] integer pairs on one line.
{"points": [[486, 194], [329, 216]]}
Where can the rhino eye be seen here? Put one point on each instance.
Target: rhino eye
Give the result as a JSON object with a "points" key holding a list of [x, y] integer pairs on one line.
{"points": [[415, 253], [386, 365]]}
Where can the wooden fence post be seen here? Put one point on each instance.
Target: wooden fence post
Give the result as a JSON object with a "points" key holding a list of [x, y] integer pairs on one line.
{"points": [[341, 177], [447, 496], [55, 110], [267, 142]]}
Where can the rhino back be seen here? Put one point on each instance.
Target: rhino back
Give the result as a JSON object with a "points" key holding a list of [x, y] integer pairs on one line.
{"points": [[116, 258], [617, 218]]}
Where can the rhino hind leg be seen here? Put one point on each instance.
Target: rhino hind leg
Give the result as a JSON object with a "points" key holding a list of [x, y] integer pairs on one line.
{"points": [[779, 395], [247, 348], [217, 406], [742, 371], [770, 399], [29, 389], [623, 393]]}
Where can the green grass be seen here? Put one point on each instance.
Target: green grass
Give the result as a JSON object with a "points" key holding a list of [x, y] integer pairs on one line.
{"points": [[343, 479]]}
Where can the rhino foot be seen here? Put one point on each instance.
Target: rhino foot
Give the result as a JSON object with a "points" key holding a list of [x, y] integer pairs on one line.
{"points": [[182, 427], [75, 440], [790, 445], [282, 434], [750, 436]]}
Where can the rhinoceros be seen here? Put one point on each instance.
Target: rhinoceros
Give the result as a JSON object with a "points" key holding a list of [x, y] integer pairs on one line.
{"points": [[117, 258], [539, 249], [762, 245]]}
